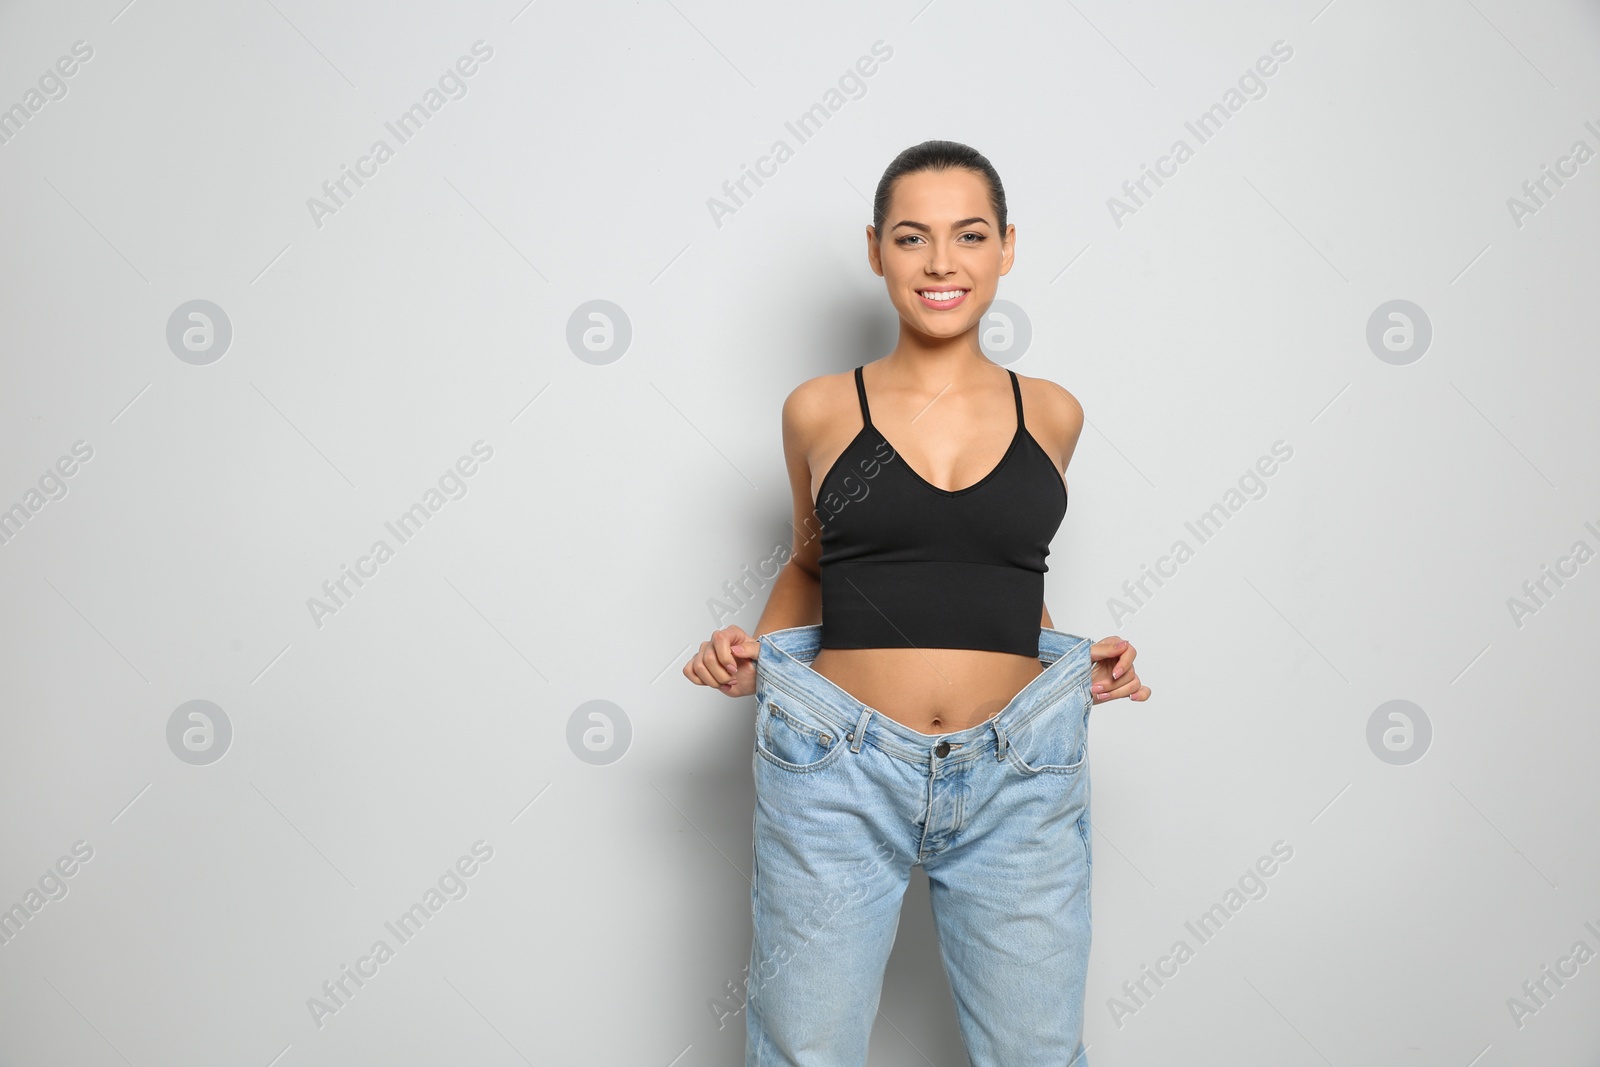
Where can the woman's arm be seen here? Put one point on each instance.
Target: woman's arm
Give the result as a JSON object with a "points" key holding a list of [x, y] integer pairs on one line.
{"points": [[1059, 423], [796, 597]]}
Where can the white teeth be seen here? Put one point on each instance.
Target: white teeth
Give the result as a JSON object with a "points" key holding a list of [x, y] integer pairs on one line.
{"points": [[949, 295]]}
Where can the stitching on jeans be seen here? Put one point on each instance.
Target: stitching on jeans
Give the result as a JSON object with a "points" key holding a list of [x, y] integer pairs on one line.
{"points": [[763, 751], [1061, 769], [828, 760], [1044, 705], [773, 707], [859, 734]]}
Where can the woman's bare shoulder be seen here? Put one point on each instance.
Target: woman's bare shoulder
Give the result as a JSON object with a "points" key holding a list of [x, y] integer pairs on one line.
{"points": [[1054, 416], [1054, 398], [815, 404]]}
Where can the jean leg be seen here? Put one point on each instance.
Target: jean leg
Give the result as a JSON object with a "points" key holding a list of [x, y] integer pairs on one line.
{"points": [[830, 875], [1010, 901]]}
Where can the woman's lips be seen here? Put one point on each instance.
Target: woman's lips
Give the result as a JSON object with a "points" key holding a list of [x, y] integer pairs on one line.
{"points": [[942, 305]]}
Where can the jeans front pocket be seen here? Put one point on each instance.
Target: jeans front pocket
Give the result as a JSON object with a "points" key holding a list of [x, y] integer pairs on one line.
{"points": [[789, 737], [1056, 740]]}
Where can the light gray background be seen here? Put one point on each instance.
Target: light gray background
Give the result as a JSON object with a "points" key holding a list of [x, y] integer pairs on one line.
{"points": [[434, 709]]}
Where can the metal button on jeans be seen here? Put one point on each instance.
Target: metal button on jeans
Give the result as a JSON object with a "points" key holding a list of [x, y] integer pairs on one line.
{"points": [[942, 749]]}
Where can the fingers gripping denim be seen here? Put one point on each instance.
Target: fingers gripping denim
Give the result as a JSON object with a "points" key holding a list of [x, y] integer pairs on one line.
{"points": [[848, 800]]}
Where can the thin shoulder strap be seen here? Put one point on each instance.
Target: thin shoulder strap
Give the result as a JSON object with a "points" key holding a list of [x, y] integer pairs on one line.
{"points": [[861, 391], [1016, 388]]}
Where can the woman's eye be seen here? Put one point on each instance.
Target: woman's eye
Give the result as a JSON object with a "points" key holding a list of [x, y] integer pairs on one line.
{"points": [[978, 238]]}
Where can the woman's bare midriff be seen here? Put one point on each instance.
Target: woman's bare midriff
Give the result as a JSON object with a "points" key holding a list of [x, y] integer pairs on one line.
{"points": [[931, 690]]}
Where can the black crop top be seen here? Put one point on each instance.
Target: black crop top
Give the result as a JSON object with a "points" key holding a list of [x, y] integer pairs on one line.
{"points": [[906, 564]]}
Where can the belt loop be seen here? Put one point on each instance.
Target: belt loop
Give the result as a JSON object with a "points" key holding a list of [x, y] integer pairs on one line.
{"points": [[999, 740], [860, 733]]}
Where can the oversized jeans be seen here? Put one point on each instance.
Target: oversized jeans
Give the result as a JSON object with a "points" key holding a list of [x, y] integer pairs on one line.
{"points": [[848, 800]]}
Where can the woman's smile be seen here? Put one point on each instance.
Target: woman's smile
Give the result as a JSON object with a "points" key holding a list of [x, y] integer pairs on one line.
{"points": [[942, 299]]}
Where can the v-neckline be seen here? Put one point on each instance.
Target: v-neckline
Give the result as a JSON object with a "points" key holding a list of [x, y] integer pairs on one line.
{"points": [[1016, 439], [868, 426]]}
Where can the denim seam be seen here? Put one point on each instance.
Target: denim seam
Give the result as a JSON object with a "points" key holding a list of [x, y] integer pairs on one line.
{"points": [[1063, 769], [927, 820], [822, 764], [858, 735], [823, 737], [828, 759], [796, 693], [1060, 770]]}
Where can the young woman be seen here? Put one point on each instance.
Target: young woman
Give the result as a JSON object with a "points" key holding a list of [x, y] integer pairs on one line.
{"points": [[933, 716]]}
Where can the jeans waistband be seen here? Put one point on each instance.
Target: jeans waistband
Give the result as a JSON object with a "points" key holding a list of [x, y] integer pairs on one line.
{"points": [[785, 665]]}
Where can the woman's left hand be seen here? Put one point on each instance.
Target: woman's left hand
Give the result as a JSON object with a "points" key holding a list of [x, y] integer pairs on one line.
{"points": [[1111, 672]]}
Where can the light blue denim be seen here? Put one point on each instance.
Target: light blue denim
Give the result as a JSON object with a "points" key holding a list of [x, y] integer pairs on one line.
{"points": [[848, 800]]}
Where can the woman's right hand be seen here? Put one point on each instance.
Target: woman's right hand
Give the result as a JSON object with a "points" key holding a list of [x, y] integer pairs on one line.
{"points": [[727, 662]]}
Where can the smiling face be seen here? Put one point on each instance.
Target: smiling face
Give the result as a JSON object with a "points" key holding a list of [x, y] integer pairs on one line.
{"points": [[941, 255]]}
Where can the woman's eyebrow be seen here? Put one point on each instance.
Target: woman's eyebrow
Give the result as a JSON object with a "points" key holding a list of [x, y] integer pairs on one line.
{"points": [[928, 229]]}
